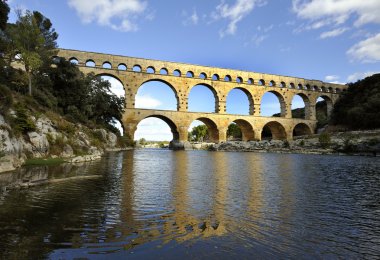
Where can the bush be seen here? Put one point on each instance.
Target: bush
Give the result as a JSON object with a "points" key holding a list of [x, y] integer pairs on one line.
{"points": [[6, 99], [22, 123], [324, 140]]}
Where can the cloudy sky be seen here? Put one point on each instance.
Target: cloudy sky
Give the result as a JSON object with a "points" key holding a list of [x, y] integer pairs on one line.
{"points": [[330, 40]]}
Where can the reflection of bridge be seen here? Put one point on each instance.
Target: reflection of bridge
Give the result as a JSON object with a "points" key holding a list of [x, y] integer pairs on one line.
{"points": [[134, 72]]}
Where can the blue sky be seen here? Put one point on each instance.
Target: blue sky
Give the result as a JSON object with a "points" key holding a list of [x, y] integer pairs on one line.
{"points": [[330, 40]]}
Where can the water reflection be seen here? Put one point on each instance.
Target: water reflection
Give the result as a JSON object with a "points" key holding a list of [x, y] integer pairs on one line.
{"points": [[145, 203]]}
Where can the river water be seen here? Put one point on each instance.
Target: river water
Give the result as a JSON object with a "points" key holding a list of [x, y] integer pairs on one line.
{"points": [[149, 204]]}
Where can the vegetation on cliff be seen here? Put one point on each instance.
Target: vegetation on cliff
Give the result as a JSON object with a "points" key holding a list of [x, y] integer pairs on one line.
{"points": [[26, 51], [359, 106]]}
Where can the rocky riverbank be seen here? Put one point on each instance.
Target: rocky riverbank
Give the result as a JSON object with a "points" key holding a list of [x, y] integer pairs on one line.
{"points": [[354, 143], [52, 138]]}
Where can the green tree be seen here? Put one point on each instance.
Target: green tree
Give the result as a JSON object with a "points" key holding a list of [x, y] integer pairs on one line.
{"points": [[359, 106], [199, 133], [234, 131], [33, 40], [4, 11], [142, 141]]}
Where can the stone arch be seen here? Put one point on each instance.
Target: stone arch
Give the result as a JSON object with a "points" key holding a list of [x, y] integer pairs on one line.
{"points": [[248, 134], [239, 79], [249, 96], [202, 75], [282, 84], [306, 101], [291, 85], [173, 127], [90, 63], [215, 77], [272, 83], [107, 65], [302, 129], [74, 61], [250, 81], [329, 104], [261, 82], [177, 73], [213, 91], [211, 127], [228, 78], [109, 75], [122, 66], [280, 99], [137, 68], [166, 83], [150, 70], [276, 129], [190, 74], [164, 71]]}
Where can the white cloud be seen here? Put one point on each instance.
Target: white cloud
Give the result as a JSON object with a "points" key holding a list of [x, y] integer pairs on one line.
{"points": [[190, 19], [333, 33], [142, 101], [339, 10], [367, 51], [118, 14], [116, 86], [360, 75], [235, 13], [330, 78]]}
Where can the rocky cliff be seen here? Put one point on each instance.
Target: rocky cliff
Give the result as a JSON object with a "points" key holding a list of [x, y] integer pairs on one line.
{"points": [[51, 138]]}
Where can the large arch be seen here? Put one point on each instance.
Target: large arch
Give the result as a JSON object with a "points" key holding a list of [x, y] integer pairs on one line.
{"points": [[302, 129], [276, 129], [306, 101], [165, 83], [212, 128], [250, 101], [173, 127], [214, 93], [329, 103], [248, 134], [281, 101]]}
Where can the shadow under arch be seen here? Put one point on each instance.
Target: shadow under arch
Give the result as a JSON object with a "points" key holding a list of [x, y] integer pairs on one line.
{"points": [[280, 99], [213, 91], [248, 134], [167, 84], [212, 129], [302, 129], [276, 129], [329, 103], [249, 96], [306, 102]]}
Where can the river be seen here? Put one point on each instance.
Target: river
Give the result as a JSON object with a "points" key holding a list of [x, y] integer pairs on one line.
{"points": [[149, 204]]}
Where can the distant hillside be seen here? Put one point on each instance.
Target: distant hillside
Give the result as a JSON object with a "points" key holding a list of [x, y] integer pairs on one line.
{"points": [[359, 106], [321, 113]]}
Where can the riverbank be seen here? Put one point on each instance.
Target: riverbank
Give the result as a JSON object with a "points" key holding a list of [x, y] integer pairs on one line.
{"points": [[365, 143], [51, 138]]}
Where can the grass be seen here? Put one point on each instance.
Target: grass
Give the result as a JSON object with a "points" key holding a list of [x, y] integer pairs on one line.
{"points": [[42, 161]]}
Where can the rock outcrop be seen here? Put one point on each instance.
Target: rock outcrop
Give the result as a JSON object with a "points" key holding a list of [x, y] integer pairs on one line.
{"points": [[48, 140]]}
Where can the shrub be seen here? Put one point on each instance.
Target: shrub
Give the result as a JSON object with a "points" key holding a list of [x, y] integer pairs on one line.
{"points": [[6, 99], [302, 143], [286, 144], [324, 140], [22, 123]]}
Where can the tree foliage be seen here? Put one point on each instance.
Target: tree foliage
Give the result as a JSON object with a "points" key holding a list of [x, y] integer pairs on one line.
{"points": [[4, 11], [199, 133], [234, 131], [84, 98], [32, 40], [359, 106]]}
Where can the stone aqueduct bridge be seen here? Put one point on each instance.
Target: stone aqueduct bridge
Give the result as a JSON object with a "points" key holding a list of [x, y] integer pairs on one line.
{"points": [[134, 72]]}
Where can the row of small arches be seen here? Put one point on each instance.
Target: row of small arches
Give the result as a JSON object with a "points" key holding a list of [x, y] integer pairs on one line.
{"points": [[214, 77]]}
